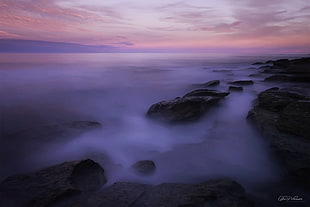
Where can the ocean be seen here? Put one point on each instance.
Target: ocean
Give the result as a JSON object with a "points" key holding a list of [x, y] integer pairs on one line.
{"points": [[116, 90]]}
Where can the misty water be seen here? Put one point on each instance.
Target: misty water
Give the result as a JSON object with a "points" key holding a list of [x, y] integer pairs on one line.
{"points": [[117, 90]]}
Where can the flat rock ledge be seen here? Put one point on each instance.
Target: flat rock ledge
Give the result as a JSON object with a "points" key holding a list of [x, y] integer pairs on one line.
{"points": [[51, 185], [215, 193]]}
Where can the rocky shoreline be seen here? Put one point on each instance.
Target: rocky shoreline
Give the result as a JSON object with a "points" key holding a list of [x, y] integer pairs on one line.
{"points": [[281, 114]]}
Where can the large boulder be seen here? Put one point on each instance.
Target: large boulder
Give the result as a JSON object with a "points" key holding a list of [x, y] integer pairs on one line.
{"points": [[52, 185], [283, 116], [144, 167]]}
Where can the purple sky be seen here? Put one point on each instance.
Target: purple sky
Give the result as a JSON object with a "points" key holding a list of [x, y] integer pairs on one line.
{"points": [[196, 25]]}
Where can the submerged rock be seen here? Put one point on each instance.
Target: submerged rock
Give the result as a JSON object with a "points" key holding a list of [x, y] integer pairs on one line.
{"points": [[209, 83], [56, 131], [144, 167], [242, 82], [53, 184], [258, 63], [235, 88]]}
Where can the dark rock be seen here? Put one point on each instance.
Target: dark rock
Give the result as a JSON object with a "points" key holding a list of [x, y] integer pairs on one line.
{"points": [[53, 184], [256, 75], [282, 63], [120, 194], [206, 92], [218, 192], [208, 84], [182, 109], [242, 82], [86, 125], [275, 99], [56, 131], [222, 71], [212, 83], [258, 63], [295, 118], [281, 78], [265, 67], [269, 62], [235, 88], [283, 116], [190, 107], [144, 167]]}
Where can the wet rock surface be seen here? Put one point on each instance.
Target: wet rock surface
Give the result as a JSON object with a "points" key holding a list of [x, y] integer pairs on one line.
{"points": [[51, 185], [190, 107]]}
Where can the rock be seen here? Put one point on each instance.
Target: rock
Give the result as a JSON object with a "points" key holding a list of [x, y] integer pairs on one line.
{"points": [[144, 167], [296, 69], [281, 78], [208, 84], [269, 62], [211, 83], [235, 88], [256, 75], [275, 99], [295, 118], [85, 125], [56, 131], [222, 71], [53, 184], [283, 116], [182, 109], [242, 82], [120, 194], [206, 92], [258, 63], [282, 63], [217, 192], [265, 67], [190, 107]]}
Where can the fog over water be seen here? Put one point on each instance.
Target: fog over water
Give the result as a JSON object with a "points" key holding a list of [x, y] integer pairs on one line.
{"points": [[116, 90]]}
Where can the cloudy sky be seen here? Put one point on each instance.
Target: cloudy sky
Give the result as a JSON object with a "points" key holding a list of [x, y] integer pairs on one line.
{"points": [[196, 25]]}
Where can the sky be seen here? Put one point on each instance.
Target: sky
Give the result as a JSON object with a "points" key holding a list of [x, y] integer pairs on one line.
{"points": [[159, 25]]}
